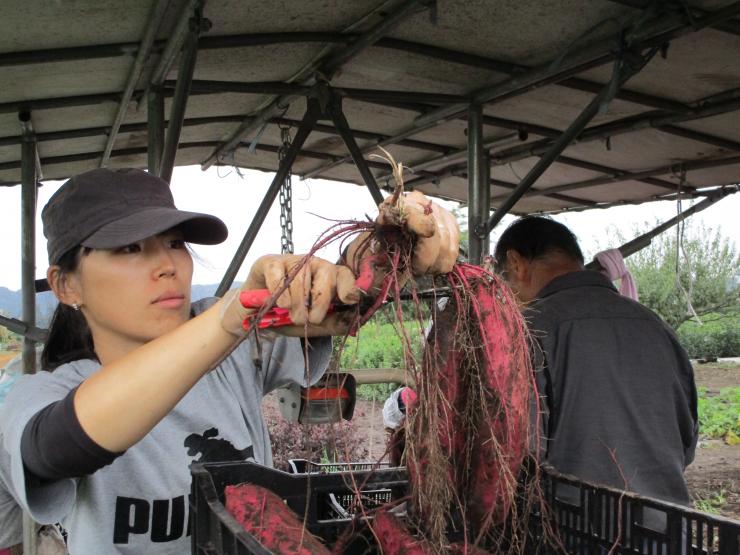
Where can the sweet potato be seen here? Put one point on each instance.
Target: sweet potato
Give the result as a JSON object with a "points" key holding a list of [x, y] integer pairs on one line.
{"points": [[395, 539], [264, 515]]}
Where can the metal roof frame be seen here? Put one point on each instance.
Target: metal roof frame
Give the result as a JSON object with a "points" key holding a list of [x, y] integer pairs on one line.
{"points": [[175, 32]]}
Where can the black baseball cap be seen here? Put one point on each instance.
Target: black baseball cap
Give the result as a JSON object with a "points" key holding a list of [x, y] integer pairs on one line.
{"points": [[108, 208]]}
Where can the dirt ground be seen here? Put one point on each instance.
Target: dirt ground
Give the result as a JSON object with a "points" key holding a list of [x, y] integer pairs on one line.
{"points": [[6, 357], [714, 474]]}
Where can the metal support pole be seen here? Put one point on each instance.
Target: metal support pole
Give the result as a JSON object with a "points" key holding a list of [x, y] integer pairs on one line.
{"points": [[182, 91], [28, 275], [486, 199], [340, 122], [309, 119], [623, 70], [478, 198], [28, 232], [155, 129]]}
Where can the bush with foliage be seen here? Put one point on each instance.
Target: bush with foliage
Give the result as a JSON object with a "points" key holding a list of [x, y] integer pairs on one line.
{"points": [[314, 442], [378, 345], [704, 263], [716, 337], [719, 414]]}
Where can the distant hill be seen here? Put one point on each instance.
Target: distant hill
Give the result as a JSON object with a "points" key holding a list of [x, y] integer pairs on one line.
{"points": [[11, 303]]}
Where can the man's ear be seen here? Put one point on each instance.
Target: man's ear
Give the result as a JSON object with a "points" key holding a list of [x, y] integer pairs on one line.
{"points": [[64, 286], [517, 266]]}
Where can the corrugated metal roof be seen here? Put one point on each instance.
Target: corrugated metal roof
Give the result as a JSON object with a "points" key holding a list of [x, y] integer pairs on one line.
{"points": [[675, 122]]}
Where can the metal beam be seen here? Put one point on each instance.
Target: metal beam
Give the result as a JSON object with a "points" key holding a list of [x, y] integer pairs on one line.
{"points": [[457, 155], [479, 191], [341, 56], [385, 142], [508, 68], [657, 120], [83, 156], [623, 70], [370, 135], [326, 66], [280, 88], [175, 42], [15, 106], [256, 39], [150, 32], [687, 165], [644, 240], [337, 116], [155, 123], [657, 198], [137, 127], [731, 27], [197, 24], [690, 113], [22, 328], [654, 33], [568, 161], [461, 171], [72, 101], [700, 137], [313, 112]]}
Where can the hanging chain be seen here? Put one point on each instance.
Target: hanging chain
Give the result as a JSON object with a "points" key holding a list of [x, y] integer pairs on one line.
{"points": [[286, 198]]}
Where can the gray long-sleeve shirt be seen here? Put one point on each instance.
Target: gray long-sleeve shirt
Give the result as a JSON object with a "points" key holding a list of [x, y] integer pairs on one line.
{"points": [[617, 388], [139, 503]]}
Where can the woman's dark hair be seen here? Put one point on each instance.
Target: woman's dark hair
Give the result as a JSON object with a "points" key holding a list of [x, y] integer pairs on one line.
{"points": [[535, 237], [69, 335]]}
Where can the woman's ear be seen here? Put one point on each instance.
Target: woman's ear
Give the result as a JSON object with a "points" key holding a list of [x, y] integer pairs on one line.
{"points": [[65, 287]]}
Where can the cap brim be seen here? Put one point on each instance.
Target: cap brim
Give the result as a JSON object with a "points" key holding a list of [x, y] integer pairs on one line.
{"points": [[202, 229]]}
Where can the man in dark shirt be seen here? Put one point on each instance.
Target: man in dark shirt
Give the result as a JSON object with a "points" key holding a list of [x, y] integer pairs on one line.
{"points": [[617, 390]]}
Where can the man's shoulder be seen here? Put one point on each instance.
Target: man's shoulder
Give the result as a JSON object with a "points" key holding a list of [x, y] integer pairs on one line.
{"points": [[583, 297]]}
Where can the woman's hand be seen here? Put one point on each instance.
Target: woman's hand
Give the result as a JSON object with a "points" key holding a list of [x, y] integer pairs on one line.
{"points": [[313, 288], [437, 238], [438, 235]]}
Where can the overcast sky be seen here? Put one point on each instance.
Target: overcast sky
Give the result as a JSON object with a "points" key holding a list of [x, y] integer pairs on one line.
{"points": [[234, 198]]}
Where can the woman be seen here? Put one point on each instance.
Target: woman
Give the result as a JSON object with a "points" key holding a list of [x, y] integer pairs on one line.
{"points": [[141, 383]]}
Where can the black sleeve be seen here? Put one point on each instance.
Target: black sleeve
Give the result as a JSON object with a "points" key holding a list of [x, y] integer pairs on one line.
{"points": [[54, 445]]}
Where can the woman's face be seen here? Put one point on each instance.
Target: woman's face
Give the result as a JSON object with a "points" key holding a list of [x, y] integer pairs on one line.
{"points": [[133, 294]]}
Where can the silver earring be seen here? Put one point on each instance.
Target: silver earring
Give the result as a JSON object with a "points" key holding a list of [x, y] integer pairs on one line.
{"points": [[76, 307]]}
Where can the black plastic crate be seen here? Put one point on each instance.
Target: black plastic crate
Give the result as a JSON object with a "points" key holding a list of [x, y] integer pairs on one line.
{"points": [[302, 466], [589, 518], [344, 505], [327, 500]]}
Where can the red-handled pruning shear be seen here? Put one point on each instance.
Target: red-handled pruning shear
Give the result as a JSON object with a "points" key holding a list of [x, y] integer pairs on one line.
{"points": [[273, 318], [276, 317]]}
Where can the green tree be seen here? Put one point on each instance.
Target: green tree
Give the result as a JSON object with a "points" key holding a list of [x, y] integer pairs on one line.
{"points": [[707, 274], [461, 215], [6, 336]]}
